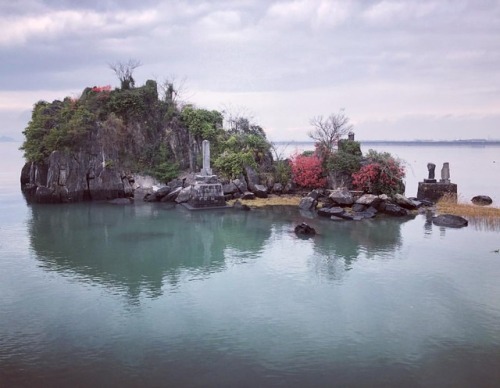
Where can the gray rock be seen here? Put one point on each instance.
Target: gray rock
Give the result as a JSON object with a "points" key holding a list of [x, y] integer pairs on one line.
{"points": [[404, 202], [172, 196], [450, 221], [260, 191], [394, 210], [341, 196], [357, 216], [358, 207], [315, 194], [482, 200], [278, 188], [252, 178], [248, 195], [331, 211], [304, 230], [367, 199], [229, 188], [308, 203], [184, 195], [240, 184], [162, 191]]}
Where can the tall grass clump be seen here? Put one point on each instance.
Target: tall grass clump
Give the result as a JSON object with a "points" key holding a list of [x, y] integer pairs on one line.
{"points": [[482, 217]]}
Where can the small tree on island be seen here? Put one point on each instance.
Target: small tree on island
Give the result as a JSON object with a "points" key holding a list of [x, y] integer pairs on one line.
{"points": [[124, 71], [327, 132]]}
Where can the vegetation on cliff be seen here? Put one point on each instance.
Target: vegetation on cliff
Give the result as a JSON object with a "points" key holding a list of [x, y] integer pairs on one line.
{"points": [[139, 130], [134, 129]]}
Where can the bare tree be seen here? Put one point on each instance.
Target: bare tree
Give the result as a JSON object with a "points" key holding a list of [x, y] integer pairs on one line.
{"points": [[174, 91], [124, 71], [327, 132]]}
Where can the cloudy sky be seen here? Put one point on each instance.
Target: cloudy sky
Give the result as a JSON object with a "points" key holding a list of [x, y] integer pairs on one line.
{"points": [[412, 69]]}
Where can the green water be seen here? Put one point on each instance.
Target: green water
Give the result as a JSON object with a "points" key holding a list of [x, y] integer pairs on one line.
{"points": [[151, 295], [99, 295]]}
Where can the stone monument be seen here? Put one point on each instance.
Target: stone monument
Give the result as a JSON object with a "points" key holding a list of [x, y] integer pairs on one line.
{"points": [[431, 190], [206, 192]]}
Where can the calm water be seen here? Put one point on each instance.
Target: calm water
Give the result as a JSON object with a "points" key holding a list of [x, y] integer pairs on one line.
{"points": [[150, 295]]}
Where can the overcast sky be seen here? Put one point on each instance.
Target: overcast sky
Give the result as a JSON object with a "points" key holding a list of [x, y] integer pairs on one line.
{"points": [[411, 69]]}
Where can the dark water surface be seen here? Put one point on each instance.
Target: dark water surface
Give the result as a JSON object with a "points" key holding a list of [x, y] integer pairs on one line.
{"points": [[150, 295]]}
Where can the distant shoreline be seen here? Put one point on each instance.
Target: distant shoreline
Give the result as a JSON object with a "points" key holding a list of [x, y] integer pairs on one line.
{"points": [[471, 142]]}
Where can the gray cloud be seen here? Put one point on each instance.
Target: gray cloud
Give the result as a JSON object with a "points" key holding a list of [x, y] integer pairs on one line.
{"points": [[381, 60]]}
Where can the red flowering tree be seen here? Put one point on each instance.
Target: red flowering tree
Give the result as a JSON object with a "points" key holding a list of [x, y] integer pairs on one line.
{"points": [[382, 175], [307, 170]]}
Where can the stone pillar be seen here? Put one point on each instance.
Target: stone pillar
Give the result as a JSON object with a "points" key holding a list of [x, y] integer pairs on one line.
{"points": [[206, 170], [445, 173]]}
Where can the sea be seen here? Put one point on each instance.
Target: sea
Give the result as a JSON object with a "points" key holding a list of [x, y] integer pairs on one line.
{"points": [[153, 295]]}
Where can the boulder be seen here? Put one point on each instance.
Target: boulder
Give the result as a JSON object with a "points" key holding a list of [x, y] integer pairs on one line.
{"points": [[358, 207], [229, 188], [150, 197], [162, 191], [394, 210], [331, 211], [308, 203], [248, 195], [404, 202], [341, 196], [240, 184], [367, 199], [304, 230], [252, 178], [260, 191], [278, 188], [450, 221], [357, 216], [184, 194], [482, 200], [172, 196]]}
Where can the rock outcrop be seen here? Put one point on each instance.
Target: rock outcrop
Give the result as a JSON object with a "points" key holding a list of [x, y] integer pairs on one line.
{"points": [[72, 178]]}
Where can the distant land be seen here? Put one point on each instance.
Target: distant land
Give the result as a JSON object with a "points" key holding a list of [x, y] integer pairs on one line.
{"points": [[7, 139], [410, 142]]}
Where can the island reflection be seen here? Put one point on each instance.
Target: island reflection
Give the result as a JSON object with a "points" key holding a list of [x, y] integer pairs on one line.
{"points": [[143, 248]]}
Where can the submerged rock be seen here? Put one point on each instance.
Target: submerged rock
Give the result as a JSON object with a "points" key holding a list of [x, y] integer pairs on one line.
{"points": [[304, 230], [450, 221]]}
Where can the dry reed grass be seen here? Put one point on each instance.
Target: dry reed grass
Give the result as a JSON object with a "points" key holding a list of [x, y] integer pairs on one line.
{"points": [[273, 200], [481, 217]]}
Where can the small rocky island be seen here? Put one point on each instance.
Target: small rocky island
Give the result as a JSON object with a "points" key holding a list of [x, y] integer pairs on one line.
{"points": [[138, 143]]}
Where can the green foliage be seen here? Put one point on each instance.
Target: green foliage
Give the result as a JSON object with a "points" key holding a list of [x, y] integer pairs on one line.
{"points": [[282, 171], [161, 165], [202, 123], [240, 150], [350, 147], [60, 125], [231, 164], [347, 159]]}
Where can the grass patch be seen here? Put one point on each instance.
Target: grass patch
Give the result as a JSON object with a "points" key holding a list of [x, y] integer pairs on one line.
{"points": [[482, 217], [272, 200]]}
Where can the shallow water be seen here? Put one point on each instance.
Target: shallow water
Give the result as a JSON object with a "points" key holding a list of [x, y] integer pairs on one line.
{"points": [[151, 295]]}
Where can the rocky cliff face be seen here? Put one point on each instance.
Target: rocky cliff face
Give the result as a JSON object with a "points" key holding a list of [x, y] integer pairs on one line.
{"points": [[73, 178]]}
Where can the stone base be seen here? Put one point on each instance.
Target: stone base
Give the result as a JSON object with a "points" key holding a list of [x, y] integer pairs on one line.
{"points": [[435, 191], [206, 196]]}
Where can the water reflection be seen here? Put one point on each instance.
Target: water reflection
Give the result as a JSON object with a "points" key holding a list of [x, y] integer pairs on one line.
{"points": [[138, 248], [150, 248]]}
